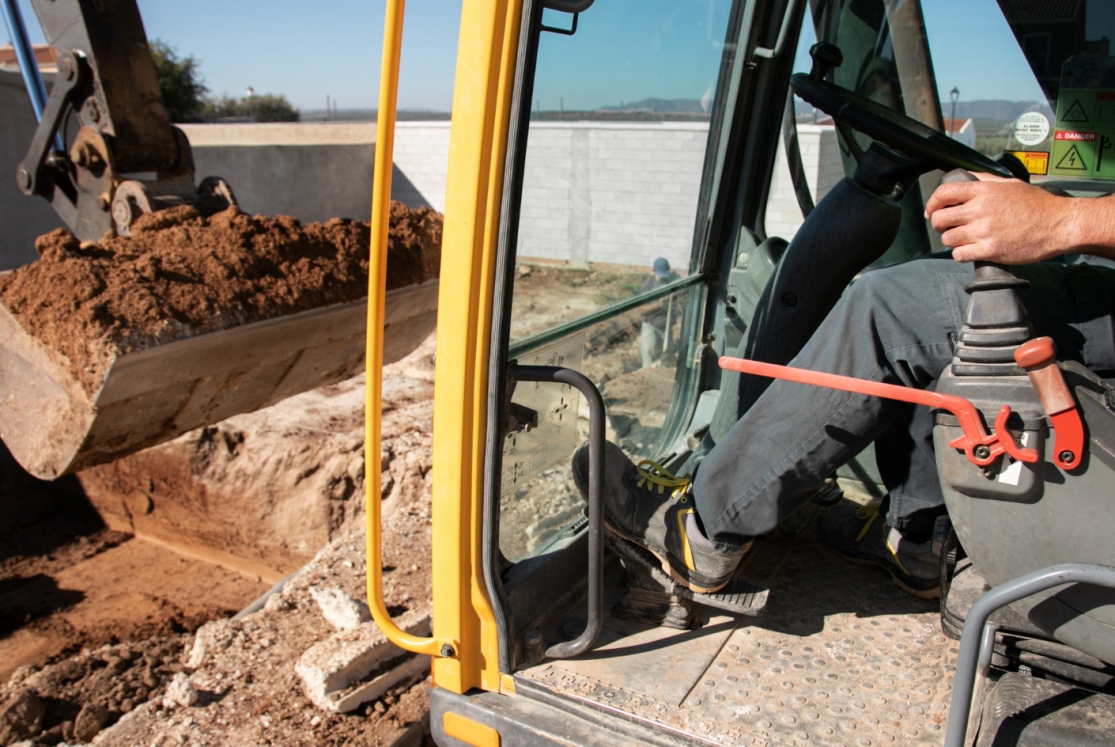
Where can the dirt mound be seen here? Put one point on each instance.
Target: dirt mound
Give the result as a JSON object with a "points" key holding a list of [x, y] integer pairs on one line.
{"points": [[182, 273], [236, 682], [72, 700]]}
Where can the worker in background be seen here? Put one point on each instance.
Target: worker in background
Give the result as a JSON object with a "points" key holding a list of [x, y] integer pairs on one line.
{"points": [[654, 335], [895, 325]]}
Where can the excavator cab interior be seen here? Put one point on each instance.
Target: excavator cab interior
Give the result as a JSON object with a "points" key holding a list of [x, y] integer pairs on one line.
{"points": [[797, 141]]}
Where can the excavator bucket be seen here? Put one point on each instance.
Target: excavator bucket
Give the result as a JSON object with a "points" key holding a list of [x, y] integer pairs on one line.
{"points": [[52, 426]]}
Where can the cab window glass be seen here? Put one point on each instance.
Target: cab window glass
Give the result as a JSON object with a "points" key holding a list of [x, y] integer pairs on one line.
{"points": [[619, 121], [619, 126], [981, 78], [1049, 33]]}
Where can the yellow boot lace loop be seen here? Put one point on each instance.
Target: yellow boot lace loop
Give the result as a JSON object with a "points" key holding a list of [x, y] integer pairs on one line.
{"points": [[652, 474], [869, 514]]}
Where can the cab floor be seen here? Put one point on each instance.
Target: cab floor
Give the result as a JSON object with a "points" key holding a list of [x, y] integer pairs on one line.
{"points": [[840, 656]]}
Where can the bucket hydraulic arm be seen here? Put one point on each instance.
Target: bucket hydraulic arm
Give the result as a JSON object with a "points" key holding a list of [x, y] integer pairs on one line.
{"points": [[126, 158]]}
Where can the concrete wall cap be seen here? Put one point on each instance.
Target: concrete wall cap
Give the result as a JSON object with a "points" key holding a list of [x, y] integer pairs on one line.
{"points": [[281, 133], [592, 125]]}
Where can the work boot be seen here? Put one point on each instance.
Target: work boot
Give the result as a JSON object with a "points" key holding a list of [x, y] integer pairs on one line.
{"points": [[859, 534], [647, 506]]}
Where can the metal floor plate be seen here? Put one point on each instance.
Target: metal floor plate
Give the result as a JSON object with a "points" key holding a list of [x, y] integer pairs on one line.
{"points": [[841, 657]]}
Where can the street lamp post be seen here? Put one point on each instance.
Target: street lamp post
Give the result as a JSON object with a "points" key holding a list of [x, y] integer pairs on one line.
{"points": [[251, 93], [954, 94]]}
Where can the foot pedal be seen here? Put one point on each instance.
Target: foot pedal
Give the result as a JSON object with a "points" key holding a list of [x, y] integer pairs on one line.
{"points": [[739, 597], [829, 495], [655, 598]]}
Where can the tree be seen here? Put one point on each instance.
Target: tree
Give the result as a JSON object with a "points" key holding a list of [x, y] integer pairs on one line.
{"points": [[269, 108], [180, 84], [264, 108]]}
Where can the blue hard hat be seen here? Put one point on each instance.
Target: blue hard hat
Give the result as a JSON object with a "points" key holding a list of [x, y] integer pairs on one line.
{"points": [[661, 267]]}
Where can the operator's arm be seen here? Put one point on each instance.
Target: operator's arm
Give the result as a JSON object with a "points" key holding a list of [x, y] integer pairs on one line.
{"points": [[1009, 221]]}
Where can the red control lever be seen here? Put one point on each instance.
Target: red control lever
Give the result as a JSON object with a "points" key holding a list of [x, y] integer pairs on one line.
{"points": [[1039, 359], [981, 448]]}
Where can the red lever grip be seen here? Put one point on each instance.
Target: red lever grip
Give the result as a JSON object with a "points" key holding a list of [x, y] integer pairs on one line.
{"points": [[1038, 358]]}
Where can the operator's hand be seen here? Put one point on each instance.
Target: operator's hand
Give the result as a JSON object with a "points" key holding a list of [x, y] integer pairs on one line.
{"points": [[1003, 220]]}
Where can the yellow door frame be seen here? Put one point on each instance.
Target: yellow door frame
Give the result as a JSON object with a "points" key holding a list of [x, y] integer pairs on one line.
{"points": [[464, 643]]}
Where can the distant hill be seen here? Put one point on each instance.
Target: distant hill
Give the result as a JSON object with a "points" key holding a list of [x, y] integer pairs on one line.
{"points": [[985, 109], [691, 106]]}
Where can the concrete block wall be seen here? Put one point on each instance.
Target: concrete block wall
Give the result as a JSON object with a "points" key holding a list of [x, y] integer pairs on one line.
{"points": [[617, 193], [421, 164], [321, 170], [621, 193], [820, 156], [311, 171]]}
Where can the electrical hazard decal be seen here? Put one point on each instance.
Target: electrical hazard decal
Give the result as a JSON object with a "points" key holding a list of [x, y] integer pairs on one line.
{"points": [[1084, 130], [1072, 160]]}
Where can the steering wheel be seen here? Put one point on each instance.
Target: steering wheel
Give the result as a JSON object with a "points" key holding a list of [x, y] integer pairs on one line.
{"points": [[922, 144]]}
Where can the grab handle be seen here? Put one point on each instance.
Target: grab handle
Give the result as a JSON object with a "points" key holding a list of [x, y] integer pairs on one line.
{"points": [[377, 282], [556, 374]]}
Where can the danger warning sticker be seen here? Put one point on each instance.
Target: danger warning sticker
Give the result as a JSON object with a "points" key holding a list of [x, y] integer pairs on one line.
{"points": [[1088, 136], [1084, 130]]}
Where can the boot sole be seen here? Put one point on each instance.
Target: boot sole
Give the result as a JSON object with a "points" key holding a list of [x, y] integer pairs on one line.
{"points": [[667, 567], [919, 593]]}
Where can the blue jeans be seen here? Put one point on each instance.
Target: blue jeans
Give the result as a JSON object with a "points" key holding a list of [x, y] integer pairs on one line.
{"points": [[896, 325]]}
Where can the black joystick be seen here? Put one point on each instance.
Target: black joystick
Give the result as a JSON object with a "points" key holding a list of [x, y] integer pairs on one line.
{"points": [[826, 57], [995, 323]]}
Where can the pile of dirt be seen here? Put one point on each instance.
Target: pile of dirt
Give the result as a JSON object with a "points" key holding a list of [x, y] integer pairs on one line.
{"points": [[246, 687], [236, 682], [72, 700], [182, 273]]}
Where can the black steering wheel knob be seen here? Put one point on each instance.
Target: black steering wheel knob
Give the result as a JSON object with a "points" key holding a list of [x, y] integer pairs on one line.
{"points": [[826, 57]]}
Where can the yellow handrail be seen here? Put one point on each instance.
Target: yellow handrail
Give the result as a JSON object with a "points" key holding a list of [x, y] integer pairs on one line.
{"points": [[377, 280]]}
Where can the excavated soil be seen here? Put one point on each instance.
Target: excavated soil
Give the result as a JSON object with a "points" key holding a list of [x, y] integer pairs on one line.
{"points": [[182, 273], [248, 690]]}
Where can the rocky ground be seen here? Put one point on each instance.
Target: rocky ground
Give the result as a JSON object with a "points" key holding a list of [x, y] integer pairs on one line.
{"points": [[253, 680]]}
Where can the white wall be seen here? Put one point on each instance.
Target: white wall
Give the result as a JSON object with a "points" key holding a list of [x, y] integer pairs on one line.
{"points": [[620, 193], [422, 158], [321, 170], [820, 157], [966, 134]]}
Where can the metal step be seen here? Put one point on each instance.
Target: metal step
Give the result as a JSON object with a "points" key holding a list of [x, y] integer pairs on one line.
{"points": [[739, 597]]}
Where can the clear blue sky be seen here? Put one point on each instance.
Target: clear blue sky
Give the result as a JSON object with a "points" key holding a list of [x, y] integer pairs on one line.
{"points": [[668, 49], [305, 50], [332, 47], [973, 49]]}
